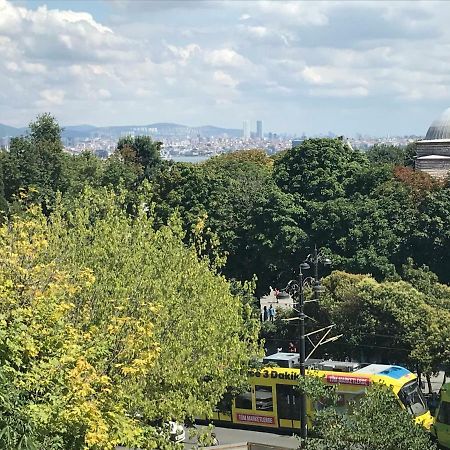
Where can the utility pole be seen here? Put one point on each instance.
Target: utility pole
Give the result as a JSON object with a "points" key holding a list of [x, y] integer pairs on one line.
{"points": [[301, 317], [317, 289]]}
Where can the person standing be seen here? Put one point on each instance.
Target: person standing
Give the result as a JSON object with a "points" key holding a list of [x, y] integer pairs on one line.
{"points": [[265, 314], [271, 313]]}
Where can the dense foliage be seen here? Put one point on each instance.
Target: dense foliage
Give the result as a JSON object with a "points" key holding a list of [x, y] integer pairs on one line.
{"points": [[108, 326], [373, 422], [392, 321], [137, 246]]}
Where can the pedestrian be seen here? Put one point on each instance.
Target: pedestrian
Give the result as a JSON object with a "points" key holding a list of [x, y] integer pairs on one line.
{"points": [[265, 313], [271, 313], [292, 348]]}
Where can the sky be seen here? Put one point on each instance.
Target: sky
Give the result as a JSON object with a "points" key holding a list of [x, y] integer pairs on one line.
{"points": [[378, 68]]}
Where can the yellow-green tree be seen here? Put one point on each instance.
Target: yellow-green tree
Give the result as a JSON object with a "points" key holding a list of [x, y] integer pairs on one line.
{"points": [[107, 325]]}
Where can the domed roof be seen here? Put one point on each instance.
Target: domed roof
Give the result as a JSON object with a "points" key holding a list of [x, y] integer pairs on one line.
{"points": [[440, 128]]}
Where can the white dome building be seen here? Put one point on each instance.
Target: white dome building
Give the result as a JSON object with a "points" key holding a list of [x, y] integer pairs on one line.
{"points": [[433, 153]]}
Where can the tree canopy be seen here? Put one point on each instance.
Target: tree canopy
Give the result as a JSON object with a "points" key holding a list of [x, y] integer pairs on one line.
{"points": [[102, 250], [101, 337], [374, 422]]}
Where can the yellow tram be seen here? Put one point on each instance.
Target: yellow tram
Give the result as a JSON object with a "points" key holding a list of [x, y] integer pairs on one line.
{"points": [[272, 401]]}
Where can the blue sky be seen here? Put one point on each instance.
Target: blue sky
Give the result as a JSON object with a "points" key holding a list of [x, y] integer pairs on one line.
{"points": [[370, 67]]}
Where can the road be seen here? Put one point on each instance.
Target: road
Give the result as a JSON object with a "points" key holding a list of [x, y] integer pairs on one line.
{"points": [[232, 436]]}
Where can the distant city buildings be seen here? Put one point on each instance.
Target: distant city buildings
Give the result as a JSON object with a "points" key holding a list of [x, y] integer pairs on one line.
{"points": [[182, 141], [259, 129], [246, 130]]}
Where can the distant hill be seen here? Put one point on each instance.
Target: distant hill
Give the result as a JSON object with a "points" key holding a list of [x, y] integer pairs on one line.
{"points": [[160, 130], [6, 130]]}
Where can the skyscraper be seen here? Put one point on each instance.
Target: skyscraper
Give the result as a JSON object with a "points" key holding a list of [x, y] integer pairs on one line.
{"points": [[259, 130], [246, 130]]}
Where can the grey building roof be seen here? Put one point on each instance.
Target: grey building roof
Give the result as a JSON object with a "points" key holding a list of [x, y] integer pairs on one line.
{"points": [[440, 128]]}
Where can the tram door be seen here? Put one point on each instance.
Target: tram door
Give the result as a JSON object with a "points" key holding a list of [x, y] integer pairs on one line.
{"points": [[288, 406]]}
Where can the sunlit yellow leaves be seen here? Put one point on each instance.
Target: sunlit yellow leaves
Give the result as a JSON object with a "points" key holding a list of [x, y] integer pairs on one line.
{"points": [[107, 324], [50, 344]]}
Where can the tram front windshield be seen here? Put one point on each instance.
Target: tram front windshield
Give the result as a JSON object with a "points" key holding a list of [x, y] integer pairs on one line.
{"points": [[412, 397]]}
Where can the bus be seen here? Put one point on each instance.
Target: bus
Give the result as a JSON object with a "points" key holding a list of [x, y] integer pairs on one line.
{"points": [[273, 402], [441, 427]]}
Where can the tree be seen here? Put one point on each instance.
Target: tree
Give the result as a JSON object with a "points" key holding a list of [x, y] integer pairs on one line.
{"points": [[108, 326], [140, 152], [430, 240], [53, 394], [82, 170], [319, 169], [388, 321], [3, 202], [386, 154], [236, 200], [35, 162], [420, 183], [374, 422], [116, 173]]}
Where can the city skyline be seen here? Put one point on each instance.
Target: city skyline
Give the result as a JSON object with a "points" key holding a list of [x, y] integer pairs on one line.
{"points": [[375, 68]]}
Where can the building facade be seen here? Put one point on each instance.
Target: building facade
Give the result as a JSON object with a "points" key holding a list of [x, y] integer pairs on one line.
{"points": [[259, 129], [246, 130], [433, 152]]}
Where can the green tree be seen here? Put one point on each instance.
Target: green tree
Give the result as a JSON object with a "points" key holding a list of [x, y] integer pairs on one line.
{"points": [[319, 169], [430, 241], [375, 317], [375, 422], [82, 170], [140, 152], [3, 203], [116, 173], [198, 321], [35, 162], [386, 154]]}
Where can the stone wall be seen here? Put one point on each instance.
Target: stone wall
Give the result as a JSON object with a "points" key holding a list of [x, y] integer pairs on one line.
{"points": [[426, 148], [434, 167]]}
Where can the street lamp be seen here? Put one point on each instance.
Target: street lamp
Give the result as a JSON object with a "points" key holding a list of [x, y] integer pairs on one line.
{"points": [[297, 287], [301, 318]]}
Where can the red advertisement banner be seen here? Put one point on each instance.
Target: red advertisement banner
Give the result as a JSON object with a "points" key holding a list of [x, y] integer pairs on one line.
{"points": [[253, 418], [345, 379]]}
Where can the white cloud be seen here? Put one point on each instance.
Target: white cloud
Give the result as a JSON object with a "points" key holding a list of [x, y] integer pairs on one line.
{"points": [[178, 61], [303, 13], [26, 67], [325, 75], [258, 31], [225, 57], [340, 92], [224, 79], [104, 93], [52, 97], [184, 53]]}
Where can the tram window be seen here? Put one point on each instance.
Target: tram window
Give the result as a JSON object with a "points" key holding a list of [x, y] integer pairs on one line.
{"points": [[244, 400], [288, 404], [224, 404], [444, 413], [264, 398]]}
